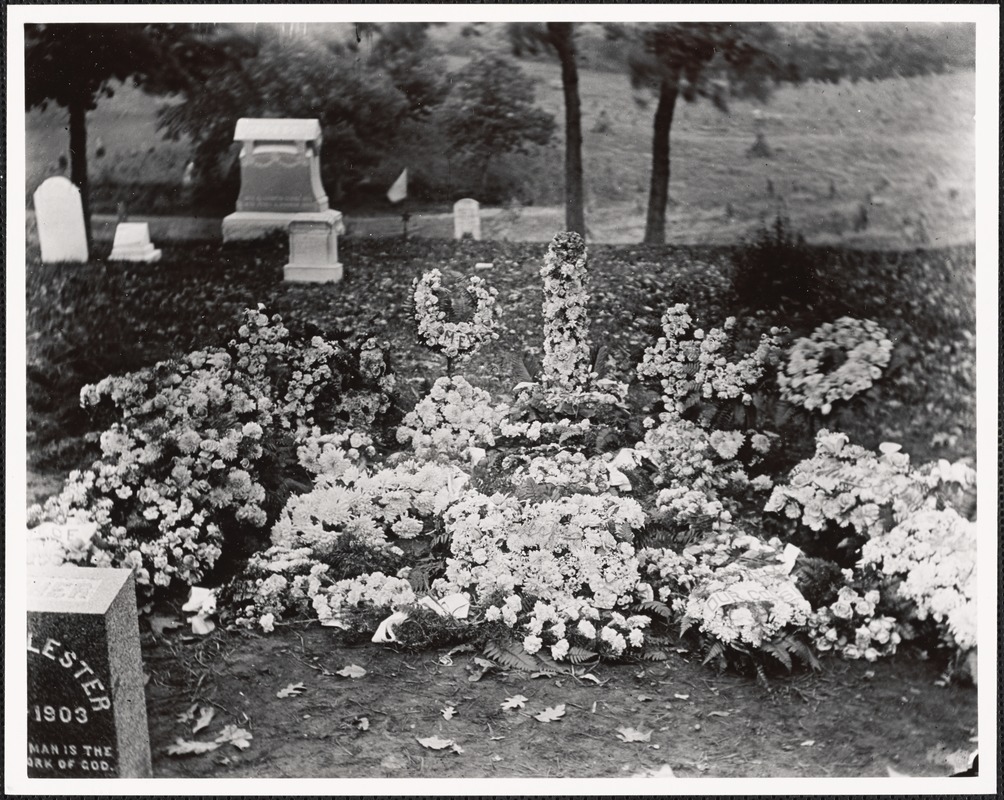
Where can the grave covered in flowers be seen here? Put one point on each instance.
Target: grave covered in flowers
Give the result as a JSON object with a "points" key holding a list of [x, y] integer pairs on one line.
{"points": [[571, 517]]}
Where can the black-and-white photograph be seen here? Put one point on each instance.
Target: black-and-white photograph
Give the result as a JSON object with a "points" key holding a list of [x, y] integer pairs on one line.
{"points": [[452, 400]]}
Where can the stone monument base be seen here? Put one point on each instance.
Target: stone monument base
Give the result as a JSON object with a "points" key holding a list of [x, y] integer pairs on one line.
{"points": [[243, 226], [147, 254], [321, 273]]}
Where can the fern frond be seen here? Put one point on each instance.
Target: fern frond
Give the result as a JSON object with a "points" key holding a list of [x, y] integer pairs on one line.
{"points": [[510, 655], [716, 651], [655, 607], [654, 655], [550, 665], [580, 655], [779, 651]]}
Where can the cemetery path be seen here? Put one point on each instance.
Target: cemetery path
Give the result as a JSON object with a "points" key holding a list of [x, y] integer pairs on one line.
{"points": [[616, 223], [854, 719]]}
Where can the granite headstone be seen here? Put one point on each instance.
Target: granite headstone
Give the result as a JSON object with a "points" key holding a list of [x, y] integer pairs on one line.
{"points": [[280, 162], [86, 702], [59, 215]]}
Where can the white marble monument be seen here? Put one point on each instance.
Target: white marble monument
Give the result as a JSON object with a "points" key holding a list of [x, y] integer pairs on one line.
{"points": [[59, 215], [132, 243], [467, 219]]}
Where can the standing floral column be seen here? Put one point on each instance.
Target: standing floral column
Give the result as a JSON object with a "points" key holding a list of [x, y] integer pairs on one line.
{"points": [[566, 323]]}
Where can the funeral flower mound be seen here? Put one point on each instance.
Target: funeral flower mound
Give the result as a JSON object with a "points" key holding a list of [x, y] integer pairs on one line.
{"points": [[560, 522]]}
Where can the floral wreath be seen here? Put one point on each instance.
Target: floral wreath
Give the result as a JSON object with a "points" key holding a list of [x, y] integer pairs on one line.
{"points": [[455, 338], [867, 349]]}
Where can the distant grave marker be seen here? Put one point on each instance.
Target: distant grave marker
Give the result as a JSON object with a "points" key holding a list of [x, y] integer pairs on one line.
{"points": [[132, 243], [59, 215], [467, 219], [759, 148], [86, 702]]}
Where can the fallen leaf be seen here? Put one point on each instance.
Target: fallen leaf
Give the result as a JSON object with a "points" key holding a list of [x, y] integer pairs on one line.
{"points": [[682, 696], [205, 717], [181, 747], [445, 660], [362, 723], [292, 690], [632, 735], [159, 624], [351, 671], [516, 701], [592, 678], [238, 737], [643, 698], [456, 748], [449, 712], [718, 713], [187, 716], [808, 743], [551, 713], [435, 743], [484, 663]]}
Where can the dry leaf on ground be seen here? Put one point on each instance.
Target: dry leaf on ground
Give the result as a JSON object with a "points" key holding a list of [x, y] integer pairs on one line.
{"points": [[205, 717], [181, 747], [633, 735], [449, 712], [351, 671], [292, 690], [551, 713], [238, 737], [516, 701], [435, 743], [187, 716], [159, 624]]}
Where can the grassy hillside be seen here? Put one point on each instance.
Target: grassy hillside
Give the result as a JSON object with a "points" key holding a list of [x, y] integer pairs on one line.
{"points": [[903, 149]]}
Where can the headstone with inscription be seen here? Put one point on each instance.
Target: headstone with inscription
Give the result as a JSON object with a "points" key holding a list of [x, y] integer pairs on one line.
{"points": [[467, 219], [132, 243], [59, 215], [313, 252], [86, 702], [280, 163]]}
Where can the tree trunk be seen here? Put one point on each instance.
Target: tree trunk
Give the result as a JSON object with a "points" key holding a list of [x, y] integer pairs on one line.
{"points": [[563, 39], [658, 196], [78, 161]]}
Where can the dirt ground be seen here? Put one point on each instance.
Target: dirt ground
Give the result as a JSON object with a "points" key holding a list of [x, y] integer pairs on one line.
{"points": [[853, 719]]}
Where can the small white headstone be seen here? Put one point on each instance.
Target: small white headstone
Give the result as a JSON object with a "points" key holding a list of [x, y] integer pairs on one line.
{"points": [[59, 215], [313, 249], [467, 219], [132, 243]]}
